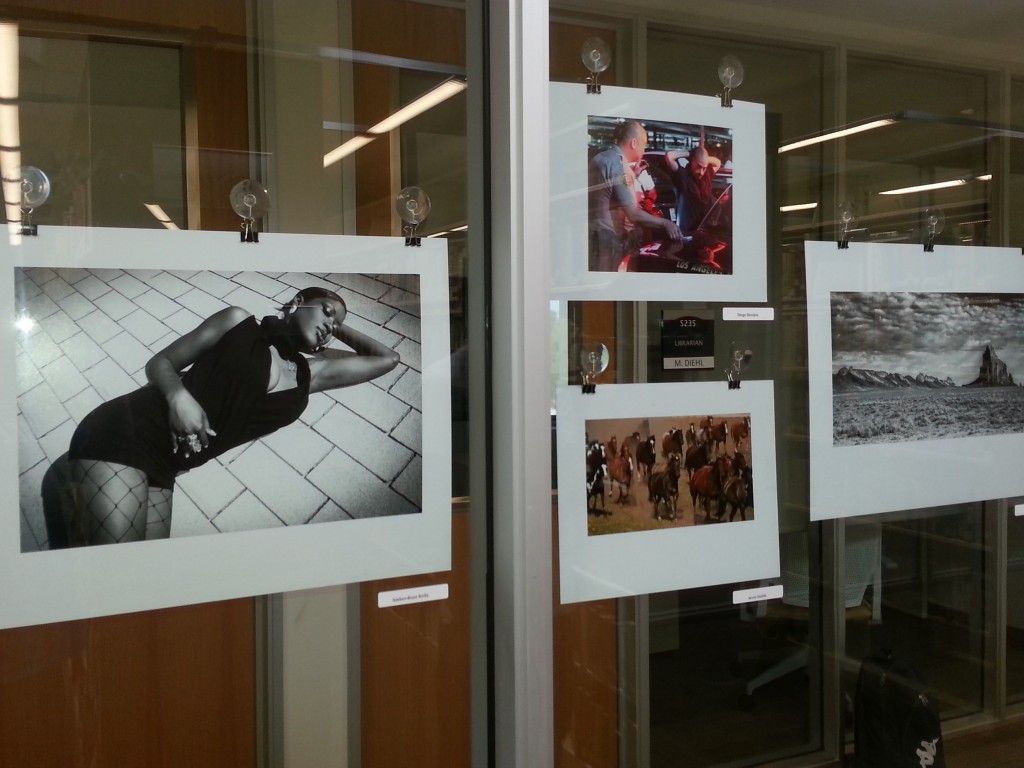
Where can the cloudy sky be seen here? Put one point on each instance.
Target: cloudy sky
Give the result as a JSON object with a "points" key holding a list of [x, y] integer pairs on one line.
{"points": [[941, 334]]}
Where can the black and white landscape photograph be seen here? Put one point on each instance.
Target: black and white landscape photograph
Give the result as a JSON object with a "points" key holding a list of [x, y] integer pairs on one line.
{"points": [[909, 366]]}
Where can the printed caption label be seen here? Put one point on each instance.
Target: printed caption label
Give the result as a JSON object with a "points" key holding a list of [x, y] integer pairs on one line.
{"points": [[426, 594], [770, 592], [748, 313]]}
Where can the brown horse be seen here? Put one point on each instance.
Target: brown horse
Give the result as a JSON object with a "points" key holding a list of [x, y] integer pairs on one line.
{"points": [[740, 431], [706, 485], [672, 442], [717, 434], [620, 473], [734, 494], [645, 456], [612, 447], [695, 458]]}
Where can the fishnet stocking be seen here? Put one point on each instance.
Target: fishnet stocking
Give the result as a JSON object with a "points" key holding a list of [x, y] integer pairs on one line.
{"points": [[158, 513], [114, 499]]}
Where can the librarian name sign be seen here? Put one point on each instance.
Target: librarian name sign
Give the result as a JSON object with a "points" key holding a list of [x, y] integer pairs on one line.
{"points": [[687, 340]]}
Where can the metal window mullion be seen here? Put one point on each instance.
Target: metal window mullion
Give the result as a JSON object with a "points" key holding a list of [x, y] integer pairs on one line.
{"points": [[522, 535]]}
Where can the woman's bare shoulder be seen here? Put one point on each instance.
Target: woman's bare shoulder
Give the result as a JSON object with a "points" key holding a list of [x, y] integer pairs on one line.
{"points": [[229, 317]]}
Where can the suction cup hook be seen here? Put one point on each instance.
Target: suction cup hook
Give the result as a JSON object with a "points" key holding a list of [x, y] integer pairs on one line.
{"points": [[730, 73], [593, 362], [413, 206], [250, 200], [934, 223], [846, 219], [596, 57], [35, 190], [740, 359]]}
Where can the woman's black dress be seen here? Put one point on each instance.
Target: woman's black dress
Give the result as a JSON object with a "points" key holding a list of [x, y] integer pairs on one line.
{"points": [[229, 381]]}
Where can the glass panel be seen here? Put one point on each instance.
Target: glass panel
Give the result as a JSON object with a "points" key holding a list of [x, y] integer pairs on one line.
{"points": [[1014, 606], [689, 665], [932, 602], [172, 106], [105, 122], [1016, 191], [938, 138], [911, 582]]}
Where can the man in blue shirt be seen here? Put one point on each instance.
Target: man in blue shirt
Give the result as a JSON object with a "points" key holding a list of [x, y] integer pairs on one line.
{"points": [[614, 210]]}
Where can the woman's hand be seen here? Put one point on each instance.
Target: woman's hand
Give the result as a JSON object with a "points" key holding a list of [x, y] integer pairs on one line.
{"points": [[190, 427]]}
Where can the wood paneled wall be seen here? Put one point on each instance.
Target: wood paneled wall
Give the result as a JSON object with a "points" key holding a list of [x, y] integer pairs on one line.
{"points": [[161, 689]]}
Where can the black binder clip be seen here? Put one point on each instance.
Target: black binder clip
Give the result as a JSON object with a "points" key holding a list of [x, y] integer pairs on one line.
{"points": [[847, 218], [934, 222], [249, 232], [411, 238], [589, 387], [740, 359]]}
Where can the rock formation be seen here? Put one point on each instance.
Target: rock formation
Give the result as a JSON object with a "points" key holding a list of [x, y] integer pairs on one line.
{"points": [[993, 372]]}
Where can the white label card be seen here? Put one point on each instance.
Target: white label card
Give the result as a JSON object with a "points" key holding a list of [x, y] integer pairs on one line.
{"points": [[769, 592], [425, 594], [748, 313]]}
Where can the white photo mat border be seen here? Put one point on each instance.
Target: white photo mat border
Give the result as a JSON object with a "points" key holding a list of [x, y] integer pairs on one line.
{"points": [[869, 479], [570, 109], [85, 582], [641, 562]]}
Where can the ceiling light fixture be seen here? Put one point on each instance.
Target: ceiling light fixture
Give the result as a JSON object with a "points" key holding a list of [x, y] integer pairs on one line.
{"points": [[869, 126], [428, 100], [10, 131], [463, 228], [797, 207], [160, 215], [937, 185]]}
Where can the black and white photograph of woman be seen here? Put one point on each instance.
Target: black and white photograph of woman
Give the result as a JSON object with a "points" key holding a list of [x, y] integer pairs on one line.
{"points": [[288, 399]]}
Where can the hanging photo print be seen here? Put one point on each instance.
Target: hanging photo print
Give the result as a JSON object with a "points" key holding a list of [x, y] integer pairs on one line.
{"points": [[916, 364], [656, 196], [193, 425]]}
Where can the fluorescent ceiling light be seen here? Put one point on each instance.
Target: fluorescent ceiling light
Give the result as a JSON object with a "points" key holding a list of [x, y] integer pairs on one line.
{"points": [[346, 149], [429, 100], [836, 134], [925, 187], [798, 207], [938, 185], [463, 228], [10, 130], [8, 60], [159, 215]]}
